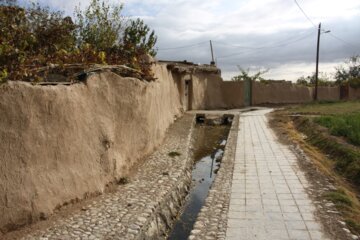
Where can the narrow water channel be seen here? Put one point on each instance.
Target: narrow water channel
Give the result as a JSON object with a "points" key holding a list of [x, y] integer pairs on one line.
{"points": [[209, 147]]}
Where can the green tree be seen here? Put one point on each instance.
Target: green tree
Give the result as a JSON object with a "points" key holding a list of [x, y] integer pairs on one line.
{"points": [[323, 80], [139, 38], [30, 38], [53, 32], [100, 25], [36, 40], [245, 75], [16, 41], [305, 81], [350, 73]]}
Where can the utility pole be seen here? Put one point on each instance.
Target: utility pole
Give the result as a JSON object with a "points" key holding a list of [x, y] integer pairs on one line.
{"points": [[317, 64], [212, 55]]}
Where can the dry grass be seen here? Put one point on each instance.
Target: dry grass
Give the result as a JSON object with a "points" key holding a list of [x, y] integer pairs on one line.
{"points": [[345, 198]]}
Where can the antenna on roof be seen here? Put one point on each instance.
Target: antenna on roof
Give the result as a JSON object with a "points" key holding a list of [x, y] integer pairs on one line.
{"points": [[212, 55]]}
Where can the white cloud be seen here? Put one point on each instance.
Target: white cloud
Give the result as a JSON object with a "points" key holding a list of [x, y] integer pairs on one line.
{"points": [[290, 72], [253, 23]]}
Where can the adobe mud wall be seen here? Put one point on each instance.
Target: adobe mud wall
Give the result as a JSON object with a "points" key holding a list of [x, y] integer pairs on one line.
{"points": [[61, 143], [329, 93], [354, 93], [233, 94], [287, 92], [199, 86], [278, 93], [207, 91]]}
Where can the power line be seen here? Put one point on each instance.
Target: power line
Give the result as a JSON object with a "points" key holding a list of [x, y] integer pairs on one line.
{"points": [[281, 44], [308, 18], [182, 47], [341, 40], [255, 48], [233, 45], [236, 46], [308, 32], [224, 43], [331, 34]]}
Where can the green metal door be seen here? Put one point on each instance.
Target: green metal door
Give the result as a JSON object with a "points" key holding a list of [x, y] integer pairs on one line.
{"points": [[247, 92]]}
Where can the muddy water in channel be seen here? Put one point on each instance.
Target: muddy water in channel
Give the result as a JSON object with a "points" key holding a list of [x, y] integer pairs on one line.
{"points": [[209, 147]]}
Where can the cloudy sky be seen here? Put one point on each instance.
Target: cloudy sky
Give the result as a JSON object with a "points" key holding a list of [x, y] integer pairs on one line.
{"points": [[255, 34]]}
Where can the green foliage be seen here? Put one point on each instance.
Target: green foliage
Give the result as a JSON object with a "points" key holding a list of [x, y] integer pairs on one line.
{"points": [[346, 158], [31, 38], [347, 126], [99, 25], [323, 80], [245, 75], [3, 76], [327, 108], [16, 42], [303, 81], [34, 38], [339, 198], [137, 37], [353, 225], [350, 73], [354, 82], [52, 32]]}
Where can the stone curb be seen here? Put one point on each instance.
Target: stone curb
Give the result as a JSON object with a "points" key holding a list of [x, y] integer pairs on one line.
{"points": [[211, 222]]}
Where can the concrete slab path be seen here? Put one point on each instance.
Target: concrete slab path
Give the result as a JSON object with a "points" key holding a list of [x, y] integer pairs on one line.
{"points": [[268, 197]]}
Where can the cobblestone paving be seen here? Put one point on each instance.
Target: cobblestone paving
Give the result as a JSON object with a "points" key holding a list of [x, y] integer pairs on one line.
{"points": [[129, 213], [268, 198], [211, 221]]}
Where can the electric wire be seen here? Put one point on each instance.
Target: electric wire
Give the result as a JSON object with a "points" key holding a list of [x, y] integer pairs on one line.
{"points": [[308, 18], [283, 44], [182, 47], [219, 42], [233, 45], [278, 42], [342, 40], [331, 34], [250, 49]]}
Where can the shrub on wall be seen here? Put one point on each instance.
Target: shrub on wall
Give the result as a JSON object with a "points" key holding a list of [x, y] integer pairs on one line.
{"points": [[246, 76], [349, 73], [138, 37], [99, 25], [35, 39], [323, 80]]}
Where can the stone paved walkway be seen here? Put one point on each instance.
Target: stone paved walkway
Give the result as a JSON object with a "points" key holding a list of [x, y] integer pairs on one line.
{"points": [[268, 197]]}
